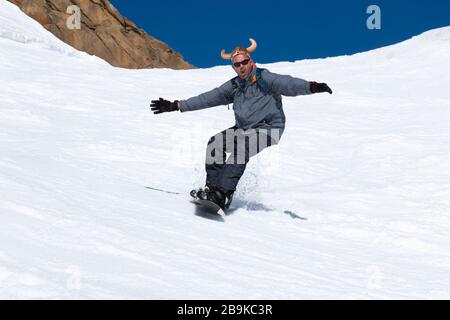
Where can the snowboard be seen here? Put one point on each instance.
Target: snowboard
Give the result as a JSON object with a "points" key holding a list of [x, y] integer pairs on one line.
{"points": [[209, 206]]}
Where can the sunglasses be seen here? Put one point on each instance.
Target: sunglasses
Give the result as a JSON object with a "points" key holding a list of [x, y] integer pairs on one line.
{"points": [[243, 62]]}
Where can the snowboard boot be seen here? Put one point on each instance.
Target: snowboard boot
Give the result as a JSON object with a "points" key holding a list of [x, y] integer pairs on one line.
{"points": [[221, 198]]}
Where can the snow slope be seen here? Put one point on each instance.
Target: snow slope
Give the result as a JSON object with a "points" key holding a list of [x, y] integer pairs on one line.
{"points": [[353, 203]]}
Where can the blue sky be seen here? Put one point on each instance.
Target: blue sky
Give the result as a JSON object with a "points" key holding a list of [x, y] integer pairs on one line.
{"points": [[284, 30]]}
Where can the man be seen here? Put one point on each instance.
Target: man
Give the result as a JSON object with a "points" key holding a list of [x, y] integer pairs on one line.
{"points": [[260, 120]]}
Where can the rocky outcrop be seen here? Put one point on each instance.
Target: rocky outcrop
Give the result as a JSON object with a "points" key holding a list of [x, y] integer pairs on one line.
{"points": [[103, 32]]}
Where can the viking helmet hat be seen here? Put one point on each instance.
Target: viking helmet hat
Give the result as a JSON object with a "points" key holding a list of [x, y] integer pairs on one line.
{"points": [[239, 50]]}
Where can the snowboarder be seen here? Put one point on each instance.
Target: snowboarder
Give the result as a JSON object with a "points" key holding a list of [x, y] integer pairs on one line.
{"points": [[260, 120]]}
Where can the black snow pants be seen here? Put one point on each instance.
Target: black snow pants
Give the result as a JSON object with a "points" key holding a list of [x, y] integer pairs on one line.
{"points": [[229, 151]]}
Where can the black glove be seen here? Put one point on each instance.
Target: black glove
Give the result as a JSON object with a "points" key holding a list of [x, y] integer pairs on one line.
{"points": [[161, 105], [316, 87]]}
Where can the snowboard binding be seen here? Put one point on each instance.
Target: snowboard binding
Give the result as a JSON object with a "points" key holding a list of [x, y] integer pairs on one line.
{"points": [[213, 194]]}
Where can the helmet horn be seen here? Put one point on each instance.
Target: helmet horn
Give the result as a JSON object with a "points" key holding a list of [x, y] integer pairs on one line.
{"points": [[239, 50], [252, 46]]}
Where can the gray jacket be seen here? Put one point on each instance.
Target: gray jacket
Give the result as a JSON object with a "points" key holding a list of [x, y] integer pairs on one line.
{"points": [[253, 108]]}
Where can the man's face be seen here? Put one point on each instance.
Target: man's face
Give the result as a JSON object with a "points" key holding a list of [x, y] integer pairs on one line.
{"points": [[239, 66]]}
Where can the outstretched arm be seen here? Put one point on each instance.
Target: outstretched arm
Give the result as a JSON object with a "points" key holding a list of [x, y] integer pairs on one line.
{"points": [[289, 86], [216, 97]]}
